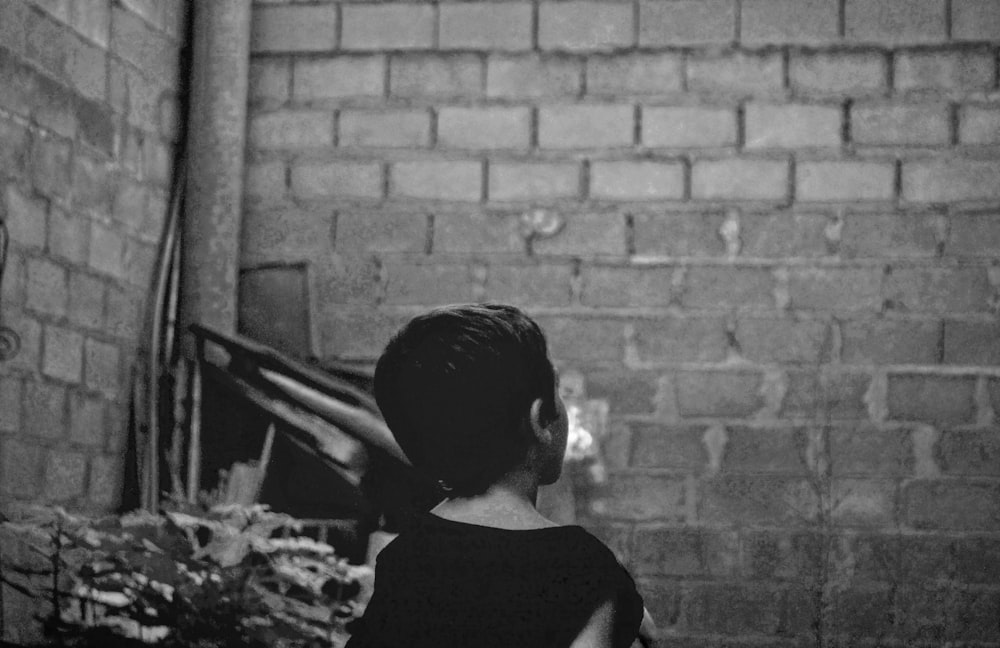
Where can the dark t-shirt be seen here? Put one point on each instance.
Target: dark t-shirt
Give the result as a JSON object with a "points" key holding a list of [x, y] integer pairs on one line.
{"points": [[443, 583]]}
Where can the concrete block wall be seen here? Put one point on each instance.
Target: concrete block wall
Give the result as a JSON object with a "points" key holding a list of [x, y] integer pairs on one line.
{"points": [[767, 232], [88, 129]]}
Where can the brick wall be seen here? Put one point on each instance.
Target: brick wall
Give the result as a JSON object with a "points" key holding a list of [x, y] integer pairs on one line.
{"points": [[766, 231], [88, 126]]}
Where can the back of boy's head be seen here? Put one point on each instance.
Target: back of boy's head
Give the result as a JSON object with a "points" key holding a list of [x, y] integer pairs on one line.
{"points": [[455, 387]]}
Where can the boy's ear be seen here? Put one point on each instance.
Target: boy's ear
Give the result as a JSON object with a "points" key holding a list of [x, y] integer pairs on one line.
{"points": [[538, 429]]}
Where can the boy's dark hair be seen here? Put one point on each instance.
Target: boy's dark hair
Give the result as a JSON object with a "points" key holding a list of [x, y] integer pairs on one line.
{"points": [[455, 386]]}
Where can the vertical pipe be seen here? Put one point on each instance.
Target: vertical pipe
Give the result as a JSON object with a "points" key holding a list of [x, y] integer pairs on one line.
{"points": [[216, 140]]}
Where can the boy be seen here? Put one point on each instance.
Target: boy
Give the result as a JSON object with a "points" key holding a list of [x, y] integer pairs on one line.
{"points": [[471, 397]]}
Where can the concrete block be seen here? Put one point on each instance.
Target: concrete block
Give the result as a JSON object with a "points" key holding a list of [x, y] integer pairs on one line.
{"points": [[583, 25], [686, 22]]}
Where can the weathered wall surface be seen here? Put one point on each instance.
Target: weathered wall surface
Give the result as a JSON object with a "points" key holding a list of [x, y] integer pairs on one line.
{"points": [[779, 261], [88, 122]]}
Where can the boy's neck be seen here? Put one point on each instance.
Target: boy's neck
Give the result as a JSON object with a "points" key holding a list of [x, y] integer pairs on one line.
{"points": [[507, 504]]}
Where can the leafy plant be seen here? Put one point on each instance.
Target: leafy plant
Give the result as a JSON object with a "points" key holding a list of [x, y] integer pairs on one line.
{"points": [[221, 577]]}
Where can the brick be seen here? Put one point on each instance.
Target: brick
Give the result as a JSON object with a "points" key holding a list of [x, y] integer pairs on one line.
{"points": [[685, 552], [736, 73], [291, 129], [96, 126], [979, 125], [626, 286], [47, 287], [44, 410], [642, 498], [484, 233], [264, 181], [484, 128], [740, 179], [678, 447], [727, 287], [627, 392], [11, 392], [576, 339], [147, 49], [646, 180], [971, 343], [930, 504], [104, 486], [890, 235], [123, 313], [86, 68], [730, 394], [50, 166], [47, 43], [351, 278], [20, 468], [586, 234], [533, 76], [347, 180], [86, 300], [15, 145], [783, 234], [975, 20], [106, 253], [433, 180], [139, 262], [900, 124], [844, 180], [530, 285], [585, 126], [270, 79], [454, 75], [24, 217], [388, 26], [14, 18], [580, 25], [782, 340], [688, 126], [778, 22], [101, 371], [835, 289], [63, 355], [843, 395], [86, 420], [932, 399], [680, 234], [951, 180], [792, 126], [92, 19], [30, 332], [339, 78], [939, 289], [357, 333], [890, 341], [389, 128], [977, 560], [286, 233], [862, 611], [65, 474], [969, 452], [686, 22], [780, 555], [677, 339], [943, 71], [294, 28], [533, 181], [487, 26], [639, 73], [380, 232], [863, 451], [93, 184], [776, 450], [837, 73], [863, 502], [895, 21], [428, 284], [757, 499]]}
